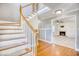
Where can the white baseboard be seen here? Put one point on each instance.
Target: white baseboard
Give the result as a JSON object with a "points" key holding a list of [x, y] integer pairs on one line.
{"points": [[77, 50], [45, 41], [57, 44]]}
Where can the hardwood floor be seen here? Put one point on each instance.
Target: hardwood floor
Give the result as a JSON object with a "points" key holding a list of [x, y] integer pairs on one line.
{"points": [[45, 49]]}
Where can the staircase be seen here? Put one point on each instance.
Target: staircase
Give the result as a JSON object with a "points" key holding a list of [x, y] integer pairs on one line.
{"points": [[14, 41]]}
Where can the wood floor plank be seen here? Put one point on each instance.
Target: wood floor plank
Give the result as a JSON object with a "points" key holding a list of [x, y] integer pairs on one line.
{"points": [[46, 49]]}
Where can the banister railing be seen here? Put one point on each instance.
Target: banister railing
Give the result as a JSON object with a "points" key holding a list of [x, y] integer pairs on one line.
{"points": [[35, 32], [24, 18]]}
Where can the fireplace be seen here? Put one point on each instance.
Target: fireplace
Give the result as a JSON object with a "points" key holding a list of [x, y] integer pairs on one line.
{"points": [[62, 33]]}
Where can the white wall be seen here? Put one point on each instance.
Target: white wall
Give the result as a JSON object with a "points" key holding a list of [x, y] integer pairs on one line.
{"points": [[77, 40], [46, 31], [69, 27], [35, 21], [9, 10]]}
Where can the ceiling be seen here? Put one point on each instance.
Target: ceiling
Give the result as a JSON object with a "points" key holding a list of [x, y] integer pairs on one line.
{"points": [[68, 9], [46, 10]]}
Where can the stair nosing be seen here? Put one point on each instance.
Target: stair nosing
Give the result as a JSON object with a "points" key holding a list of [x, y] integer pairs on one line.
{"points": [[25, 53], [9, 24], [10, 29], [13, 39], [13, 46], [11, 33]]}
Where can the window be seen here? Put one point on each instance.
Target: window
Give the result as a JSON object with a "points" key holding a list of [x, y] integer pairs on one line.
{"points": [[27, 11]]}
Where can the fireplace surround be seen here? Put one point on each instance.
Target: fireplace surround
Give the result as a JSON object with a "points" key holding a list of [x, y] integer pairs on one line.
{"points": [[62, 33]]}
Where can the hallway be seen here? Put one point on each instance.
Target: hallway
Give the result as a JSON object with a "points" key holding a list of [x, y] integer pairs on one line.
{"points": [[45, 49], [21, 25]]}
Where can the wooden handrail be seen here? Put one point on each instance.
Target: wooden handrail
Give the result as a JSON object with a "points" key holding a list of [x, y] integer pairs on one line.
{"points": [[35, 31], [24, 18]]}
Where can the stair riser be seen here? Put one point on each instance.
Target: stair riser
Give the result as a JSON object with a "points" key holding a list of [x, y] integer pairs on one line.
{"points": [[10, 27], [10, 36], [23, 51], [28, 54], [10, 31], [12, 43], [6, 21], [19, 53], [13, 51]]}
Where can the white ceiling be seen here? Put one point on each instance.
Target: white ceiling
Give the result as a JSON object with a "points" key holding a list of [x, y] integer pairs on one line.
{"points": [[68, 9], [47, 12]]}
